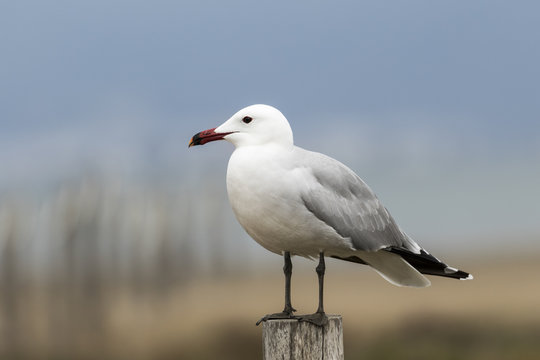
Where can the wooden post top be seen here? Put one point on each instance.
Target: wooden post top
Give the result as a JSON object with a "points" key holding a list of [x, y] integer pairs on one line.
{"points": [[290, 339]]}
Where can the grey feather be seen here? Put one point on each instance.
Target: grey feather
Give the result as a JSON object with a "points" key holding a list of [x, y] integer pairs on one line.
{"points": [[343, 201]]}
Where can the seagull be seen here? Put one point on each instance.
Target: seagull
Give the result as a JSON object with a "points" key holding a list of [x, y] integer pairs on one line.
{"points": [[297, 202]]}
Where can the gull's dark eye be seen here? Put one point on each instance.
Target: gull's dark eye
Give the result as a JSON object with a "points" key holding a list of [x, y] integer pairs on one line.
{"points": [[247, 119]]}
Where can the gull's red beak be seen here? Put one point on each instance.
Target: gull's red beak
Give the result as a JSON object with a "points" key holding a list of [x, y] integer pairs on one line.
{"points": [[206, 136]]}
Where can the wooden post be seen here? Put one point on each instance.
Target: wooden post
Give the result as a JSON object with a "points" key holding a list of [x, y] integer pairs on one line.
{"points": [[290, 339]]}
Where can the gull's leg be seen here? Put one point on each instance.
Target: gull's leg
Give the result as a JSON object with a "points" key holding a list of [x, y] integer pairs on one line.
{"points": [[287, 270], [319, 318], [288, 310], [320, 269]]}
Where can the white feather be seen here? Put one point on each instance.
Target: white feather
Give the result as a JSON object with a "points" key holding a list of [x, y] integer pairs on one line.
{"points": [[394, 269]]}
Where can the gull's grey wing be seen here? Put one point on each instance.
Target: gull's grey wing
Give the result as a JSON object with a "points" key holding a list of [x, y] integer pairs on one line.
{"points": [[343, 201]]}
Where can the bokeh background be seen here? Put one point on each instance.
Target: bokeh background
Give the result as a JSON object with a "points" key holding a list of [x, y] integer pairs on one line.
{"points": [[116, 242]]}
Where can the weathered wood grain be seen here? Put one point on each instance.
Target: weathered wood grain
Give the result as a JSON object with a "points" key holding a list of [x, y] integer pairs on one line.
{"points": [[294, 340]]}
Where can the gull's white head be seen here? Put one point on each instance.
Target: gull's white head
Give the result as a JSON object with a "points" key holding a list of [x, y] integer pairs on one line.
{"points": [[251, 126]]}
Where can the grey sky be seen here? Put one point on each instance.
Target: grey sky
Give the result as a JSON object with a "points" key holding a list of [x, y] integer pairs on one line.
{"points": [[475, 60]]}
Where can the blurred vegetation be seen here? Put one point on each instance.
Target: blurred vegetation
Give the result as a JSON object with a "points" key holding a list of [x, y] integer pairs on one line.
{"points": [[447, 339], [97, 271]]}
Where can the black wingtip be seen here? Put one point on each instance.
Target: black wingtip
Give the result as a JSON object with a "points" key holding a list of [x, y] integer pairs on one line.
{"points": [[429, 265]]}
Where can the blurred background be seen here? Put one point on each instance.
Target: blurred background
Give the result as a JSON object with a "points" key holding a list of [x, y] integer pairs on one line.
{"points": [[116, 242]]}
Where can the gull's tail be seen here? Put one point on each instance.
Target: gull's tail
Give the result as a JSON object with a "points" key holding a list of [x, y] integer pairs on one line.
{"points": [[394, 269], [404, 268]]}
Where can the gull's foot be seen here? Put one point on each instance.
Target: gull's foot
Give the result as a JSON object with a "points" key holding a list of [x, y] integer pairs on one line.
{"points": [[276, 316], [319, 318]]}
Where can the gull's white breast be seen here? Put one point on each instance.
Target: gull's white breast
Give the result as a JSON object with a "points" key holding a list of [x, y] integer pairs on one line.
{"points": [[265, 185]]}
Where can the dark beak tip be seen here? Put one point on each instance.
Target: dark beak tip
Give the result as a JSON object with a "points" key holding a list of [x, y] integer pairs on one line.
{"points": [[195, 140]]}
